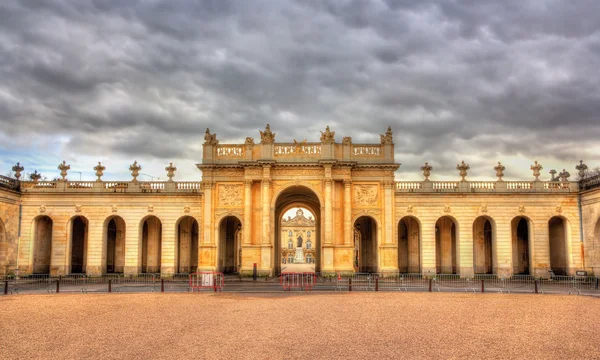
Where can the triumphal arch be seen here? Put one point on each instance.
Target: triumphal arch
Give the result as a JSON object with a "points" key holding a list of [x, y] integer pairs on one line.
{"points": [[365, 220]]}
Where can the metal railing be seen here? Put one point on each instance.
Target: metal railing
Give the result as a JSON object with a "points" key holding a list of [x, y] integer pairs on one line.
{"points": [[80, 283]]}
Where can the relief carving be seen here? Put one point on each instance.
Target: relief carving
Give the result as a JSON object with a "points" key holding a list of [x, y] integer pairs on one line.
{"points": [[230, 195], [365, 195]]}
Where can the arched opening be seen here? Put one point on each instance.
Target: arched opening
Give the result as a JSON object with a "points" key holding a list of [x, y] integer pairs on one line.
{"points": [[78, 248], [297, 228], [409, 245], [445, 246], [187, 245], [297, 197], [557, 231], [521, 237], [230, 249], [42, 245], [483, 246], [365, 245], [115, 245], [151, 244]]}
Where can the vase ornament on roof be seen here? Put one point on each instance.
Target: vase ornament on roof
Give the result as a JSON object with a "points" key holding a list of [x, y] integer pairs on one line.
{"points": [[581, 168], [135, 171], [63, 170], [499, 170], [536, 167], [170, 171], [99, 171], [426, 170], [462, 168], [17, 169]]}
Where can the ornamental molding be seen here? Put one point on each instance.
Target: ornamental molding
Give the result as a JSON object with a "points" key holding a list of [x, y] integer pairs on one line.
{"points": [[365, 195], [230, 195]]}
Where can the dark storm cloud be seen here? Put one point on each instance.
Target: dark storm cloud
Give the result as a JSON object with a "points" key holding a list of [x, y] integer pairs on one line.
{"points": [[476, 80]]}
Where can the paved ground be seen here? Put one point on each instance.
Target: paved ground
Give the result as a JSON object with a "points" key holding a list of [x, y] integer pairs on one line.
{"points": [[277, 326]]}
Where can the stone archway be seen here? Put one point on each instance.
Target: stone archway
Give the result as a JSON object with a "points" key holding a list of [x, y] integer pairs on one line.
{"points": [[484, 245], [151, 242], [446, 242], [186, 243], [114, 242], [230, 241], [365, 245], [557, 238], [521, 230], [42, 244], [302, 197], [409, 245], [78, 245]]}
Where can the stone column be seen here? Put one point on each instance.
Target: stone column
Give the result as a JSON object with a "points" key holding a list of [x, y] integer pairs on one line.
{"points": [[96, 257], [247, 230], [207, 248], [502, 248], [464, 254], [168, 248], [266, 243], [428, 248], [328, 212], [133, 248], [388, 248], [348, 229]]}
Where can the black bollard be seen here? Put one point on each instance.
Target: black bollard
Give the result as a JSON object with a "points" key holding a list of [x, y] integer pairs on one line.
{"points": [[5, 287], [162, 285], [109, 285], [482, 286], [58, 285], [350, 284], [254, 272], [376, 284], [430, 285], [536, 288]]}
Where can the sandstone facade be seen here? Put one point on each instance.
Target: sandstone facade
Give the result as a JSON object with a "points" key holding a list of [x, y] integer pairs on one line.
{"points": [[365, 220]]}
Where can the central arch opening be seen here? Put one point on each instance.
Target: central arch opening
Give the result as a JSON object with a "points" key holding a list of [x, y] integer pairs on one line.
{"points": [[304, 250]]}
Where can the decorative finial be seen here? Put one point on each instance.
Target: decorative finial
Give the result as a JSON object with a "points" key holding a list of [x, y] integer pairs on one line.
{"points": [[536, 170], [426, 170], [210, 139], [499, 170], [552, 177], [462, 168], [63, 170], [17, 169], [99, 171], [35, 177], [564, 176], [582, 168], [387, 138], [249, 141], [135, 171], [267, 137], [346, 140], [170, 171], [327, 137]]}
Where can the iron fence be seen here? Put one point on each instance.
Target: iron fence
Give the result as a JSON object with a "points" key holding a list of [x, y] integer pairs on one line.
{"points": [[80, 283]]}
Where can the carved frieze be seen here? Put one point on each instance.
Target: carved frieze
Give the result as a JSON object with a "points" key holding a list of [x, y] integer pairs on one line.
{"points": [[229, 172], [365, 195], [230, 195], [369, 172], [297, 172]]}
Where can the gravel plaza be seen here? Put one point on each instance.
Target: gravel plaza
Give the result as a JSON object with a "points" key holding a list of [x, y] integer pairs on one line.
{"points": [[299, 325]]}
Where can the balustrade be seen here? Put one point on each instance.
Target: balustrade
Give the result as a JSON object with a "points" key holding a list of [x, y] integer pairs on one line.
{"points": [[286, 149], [366, 150], [232, 151], [519, 185]]}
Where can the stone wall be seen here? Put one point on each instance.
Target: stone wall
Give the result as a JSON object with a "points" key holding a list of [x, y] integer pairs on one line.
{"points": [[590, 201], [9, 230]]}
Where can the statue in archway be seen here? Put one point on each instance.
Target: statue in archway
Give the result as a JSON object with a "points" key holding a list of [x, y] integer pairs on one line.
{"points": [[299, 241]]}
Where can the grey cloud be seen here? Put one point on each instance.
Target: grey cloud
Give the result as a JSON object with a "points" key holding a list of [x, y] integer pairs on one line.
{"points": [[455, 79]]}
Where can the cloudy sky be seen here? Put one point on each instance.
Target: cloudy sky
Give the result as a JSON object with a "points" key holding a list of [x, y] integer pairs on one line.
{"points": [[480, 81]]}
